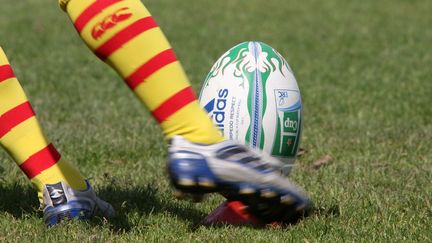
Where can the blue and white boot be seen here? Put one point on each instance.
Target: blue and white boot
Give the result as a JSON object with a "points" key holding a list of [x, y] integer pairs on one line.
{"points": [[61, 203], [239, 174]]}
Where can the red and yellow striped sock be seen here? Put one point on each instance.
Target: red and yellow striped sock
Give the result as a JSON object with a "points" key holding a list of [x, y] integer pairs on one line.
{"points": [[23, 139], [123, 34]]}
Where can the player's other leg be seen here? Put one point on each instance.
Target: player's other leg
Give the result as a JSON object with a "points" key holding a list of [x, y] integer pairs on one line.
{"points": [[124, 35], [62, 191]]}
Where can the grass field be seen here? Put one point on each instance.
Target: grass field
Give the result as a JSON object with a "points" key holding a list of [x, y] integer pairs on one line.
{"points": [[364, 69]]}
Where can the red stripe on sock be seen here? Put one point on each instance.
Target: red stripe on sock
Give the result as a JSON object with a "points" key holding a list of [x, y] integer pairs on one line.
{"points": [[92, 11], [14, 117], [124, 36], [6, 72], [40, 161], [144, 71], [173, 104]]}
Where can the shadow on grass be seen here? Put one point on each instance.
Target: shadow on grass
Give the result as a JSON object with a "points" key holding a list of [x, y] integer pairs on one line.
{"points": [[143, 200], [147, 200], [18, 200]]}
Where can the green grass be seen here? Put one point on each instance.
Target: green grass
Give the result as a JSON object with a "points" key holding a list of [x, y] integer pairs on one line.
{"points": [[364, 69]]}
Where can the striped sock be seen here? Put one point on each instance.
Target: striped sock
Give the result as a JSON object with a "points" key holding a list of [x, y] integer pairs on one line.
{"points": [[21, 136], [123, 34]]}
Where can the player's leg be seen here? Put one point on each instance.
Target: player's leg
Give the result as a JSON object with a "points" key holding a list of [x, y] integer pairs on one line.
{"points": [[22, 137], [124, 35]]}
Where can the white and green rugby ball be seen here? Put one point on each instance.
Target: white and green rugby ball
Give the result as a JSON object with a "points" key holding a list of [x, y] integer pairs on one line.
{"points": [[253, 97]]}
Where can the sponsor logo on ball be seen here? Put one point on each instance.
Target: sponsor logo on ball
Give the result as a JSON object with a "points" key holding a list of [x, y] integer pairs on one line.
{"points": [[288, 105], [216, 108]]}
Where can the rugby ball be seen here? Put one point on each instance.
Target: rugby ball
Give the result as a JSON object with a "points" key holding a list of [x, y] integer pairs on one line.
{"points": [[252, 96]]}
